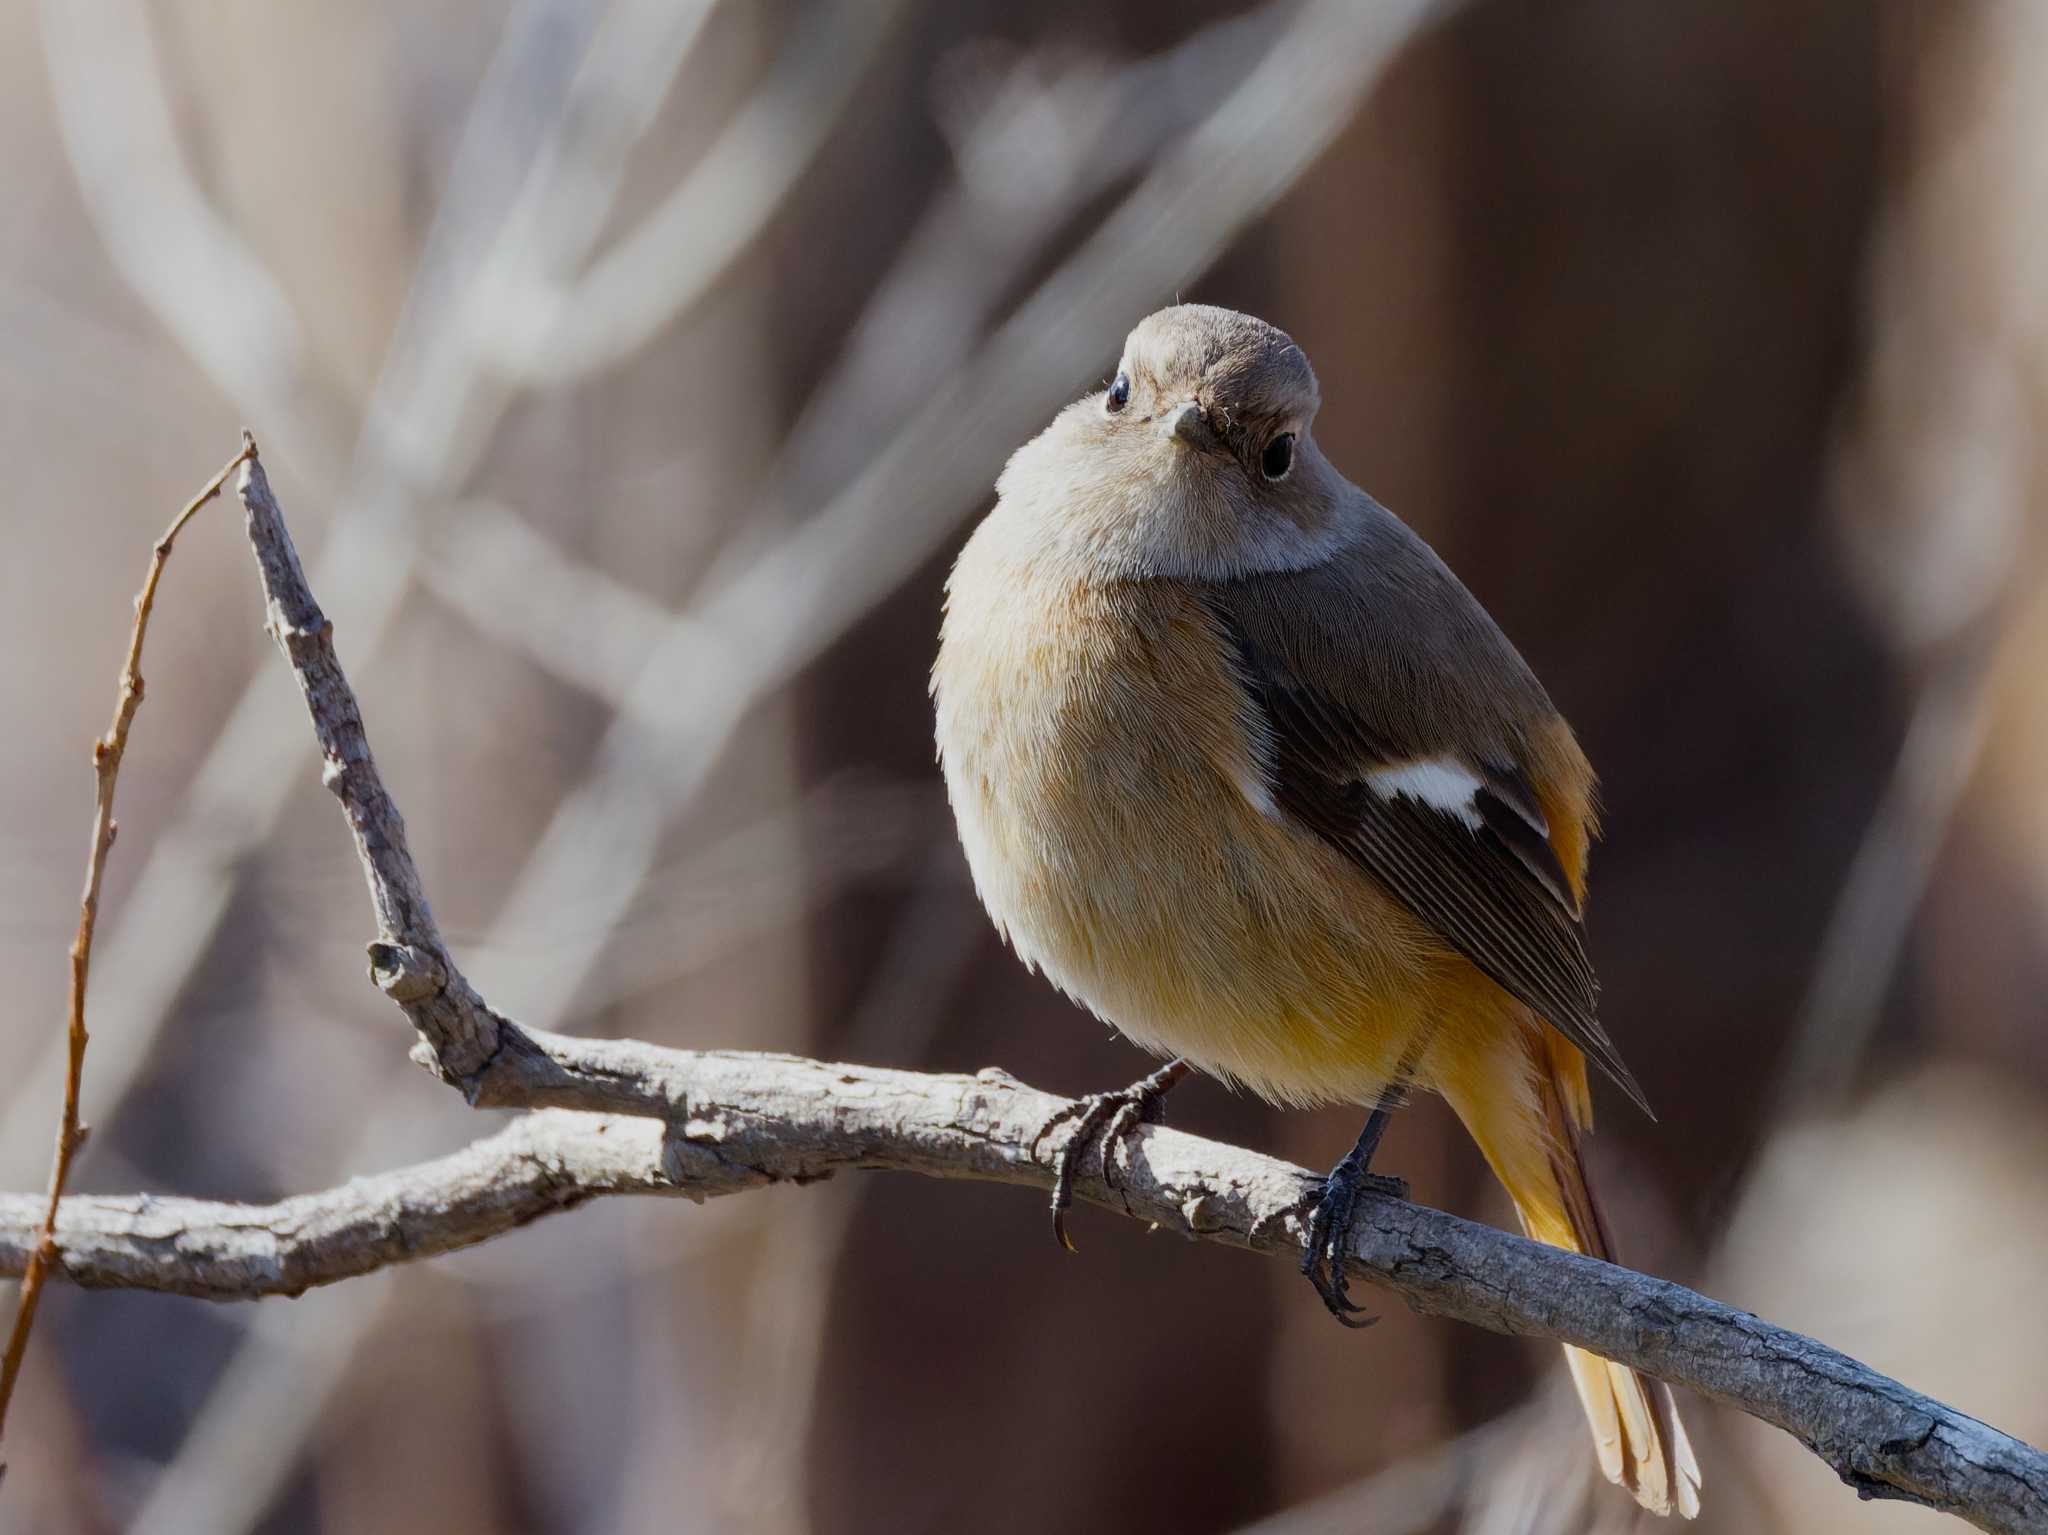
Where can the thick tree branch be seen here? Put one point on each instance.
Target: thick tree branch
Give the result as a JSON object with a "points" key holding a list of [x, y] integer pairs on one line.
{"points": [[735, 1121], [704, 1124]]}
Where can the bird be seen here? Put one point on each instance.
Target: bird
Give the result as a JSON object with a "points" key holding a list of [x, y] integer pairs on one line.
{"points": [[1239, 765]]}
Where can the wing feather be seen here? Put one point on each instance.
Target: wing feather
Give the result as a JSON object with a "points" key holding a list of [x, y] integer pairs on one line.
{"points": [[1489, 882]]}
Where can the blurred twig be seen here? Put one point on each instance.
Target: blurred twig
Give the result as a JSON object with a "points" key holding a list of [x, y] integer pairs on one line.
{"points": [[1873, 916], [1936, 490], [196, 273], [107, 752], [569, 89], [767, 1485], [1417, 1492], [547, 329]]}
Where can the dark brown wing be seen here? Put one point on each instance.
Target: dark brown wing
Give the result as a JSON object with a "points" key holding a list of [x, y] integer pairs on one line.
{"points": [[1482, 873]]}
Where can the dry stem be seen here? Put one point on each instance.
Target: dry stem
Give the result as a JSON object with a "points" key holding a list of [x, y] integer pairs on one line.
{"points": [[106, 766]]}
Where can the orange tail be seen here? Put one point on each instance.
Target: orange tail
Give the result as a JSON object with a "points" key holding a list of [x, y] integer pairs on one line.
{"points": [[1527, 1117]]}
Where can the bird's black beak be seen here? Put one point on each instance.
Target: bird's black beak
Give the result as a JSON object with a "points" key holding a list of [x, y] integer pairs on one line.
{"points": [[1190, 423]]}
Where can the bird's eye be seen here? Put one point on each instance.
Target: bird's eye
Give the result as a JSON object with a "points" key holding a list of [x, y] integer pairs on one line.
{"points": [[1278, 457], [1119, 394]]}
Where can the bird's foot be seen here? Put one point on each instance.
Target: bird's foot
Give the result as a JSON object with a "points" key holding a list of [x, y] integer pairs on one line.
{"points": [[1329, 1232], [1104, 1119]]}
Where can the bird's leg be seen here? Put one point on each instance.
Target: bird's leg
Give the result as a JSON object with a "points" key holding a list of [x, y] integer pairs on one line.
{"points": [[1105, 1118], [1329, 1232]]}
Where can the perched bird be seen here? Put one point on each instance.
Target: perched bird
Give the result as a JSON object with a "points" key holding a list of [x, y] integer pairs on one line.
{"points": [[1241, 766]]}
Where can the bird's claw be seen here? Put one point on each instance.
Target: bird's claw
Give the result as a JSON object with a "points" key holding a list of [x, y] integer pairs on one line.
{"points": [[1105, 1119], [1329, 1236]]}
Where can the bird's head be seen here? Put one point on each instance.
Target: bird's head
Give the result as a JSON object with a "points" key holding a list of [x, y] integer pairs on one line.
{"points": [[1196, 461]]}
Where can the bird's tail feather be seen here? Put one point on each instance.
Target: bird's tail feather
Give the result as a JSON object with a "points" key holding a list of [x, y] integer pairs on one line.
{"points": [[1637, 1435]]}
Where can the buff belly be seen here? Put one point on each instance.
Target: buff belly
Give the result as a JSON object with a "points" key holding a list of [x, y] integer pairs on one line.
{"points": [[1119, 836]]}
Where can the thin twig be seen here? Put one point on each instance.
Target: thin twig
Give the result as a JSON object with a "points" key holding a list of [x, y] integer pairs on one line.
{"points": [[106, 765]]}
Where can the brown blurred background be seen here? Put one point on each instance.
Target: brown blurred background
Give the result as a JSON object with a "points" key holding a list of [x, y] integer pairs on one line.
{"points": [[631, 371]]}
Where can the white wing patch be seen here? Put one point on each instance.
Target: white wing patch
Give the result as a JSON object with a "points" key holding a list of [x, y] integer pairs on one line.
{"points": [[1442, 783], [1253, 787]]}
